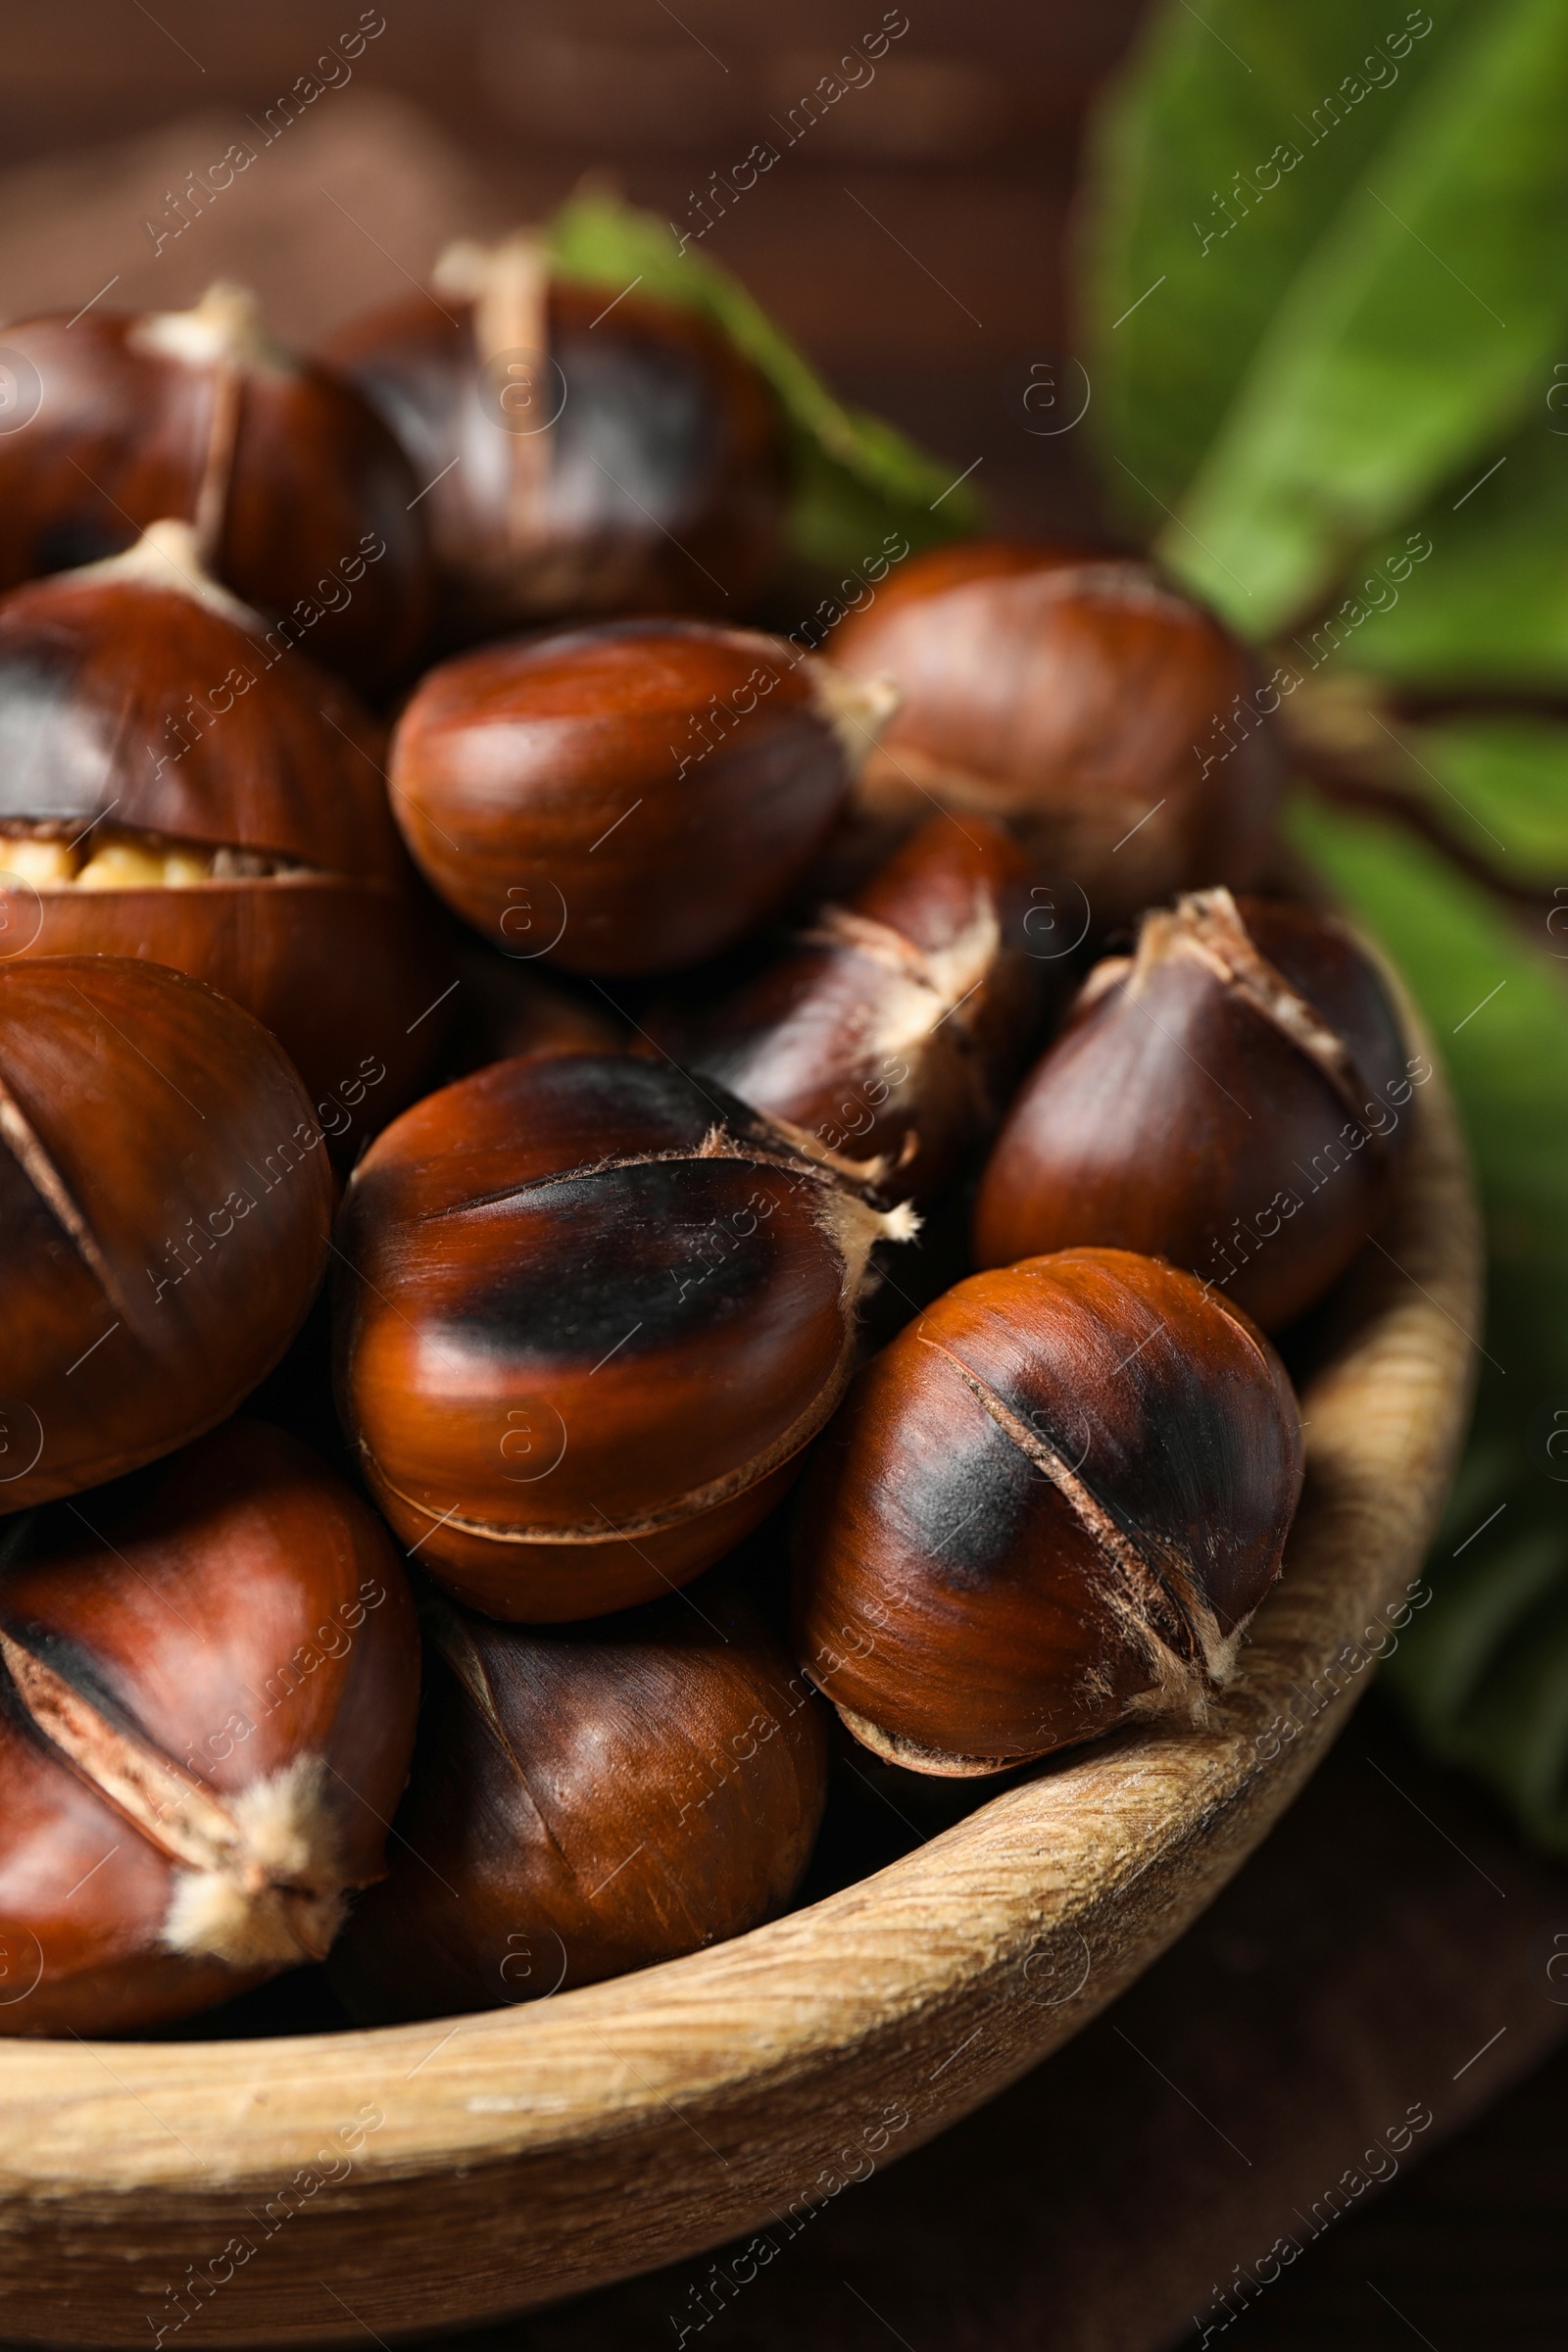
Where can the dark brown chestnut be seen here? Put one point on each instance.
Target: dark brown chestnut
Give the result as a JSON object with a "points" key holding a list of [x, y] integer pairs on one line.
{"points": [[1231, 1098], [587, 1799], [590, 1315], [165, 1208], [582, 454], [300, 497], [1083, 701], [893, 1025], [1049, 1507], [208, 1678], [627, 797], [176, 785]]}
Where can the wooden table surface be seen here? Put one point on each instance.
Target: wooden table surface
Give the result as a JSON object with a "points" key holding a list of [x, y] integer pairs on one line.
{"points": [[913, 240]]}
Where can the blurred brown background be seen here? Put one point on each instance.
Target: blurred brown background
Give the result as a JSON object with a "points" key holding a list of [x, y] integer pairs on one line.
{"points": [[913, 240], [912, 237]]}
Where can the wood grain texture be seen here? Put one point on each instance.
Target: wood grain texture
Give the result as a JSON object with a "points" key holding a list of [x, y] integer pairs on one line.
{"points": [[526, 2154]]}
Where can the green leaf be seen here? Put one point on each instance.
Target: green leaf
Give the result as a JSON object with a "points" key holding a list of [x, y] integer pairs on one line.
{"points": [[1484, 1670], [1414, 336], [1490, 608], [855, 477], [1185, 257]]}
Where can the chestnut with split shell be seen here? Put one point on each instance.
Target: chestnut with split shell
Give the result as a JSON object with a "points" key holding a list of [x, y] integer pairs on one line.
{"points": [[627, 797], [1233, 1097], [1049, 1507], [165, 1209], [299, 497], [891, 1026], [589, 1316], [175, 786], [209, 1677], [581, 452], [1080, 699], [587, 1799]]}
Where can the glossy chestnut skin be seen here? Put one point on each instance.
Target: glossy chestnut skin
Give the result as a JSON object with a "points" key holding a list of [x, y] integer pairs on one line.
{"points": [[891, 1027], [588, 1799], [1231, 1098], [627, 797], [299, 494], [628, 463], [165, 1209], [207, 1708], [589, 1315], [1074, 697], [1046, 1508], [147, 722]]}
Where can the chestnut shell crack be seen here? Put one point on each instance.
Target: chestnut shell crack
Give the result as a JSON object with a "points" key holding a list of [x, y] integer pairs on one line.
{"points": [[460, 1655], [717, 1143], [693, 1504], [1150, 1588], [1208, 924], [26, 1146], [257, 1878]]}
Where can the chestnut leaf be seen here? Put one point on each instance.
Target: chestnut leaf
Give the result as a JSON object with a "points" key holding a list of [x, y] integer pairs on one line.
{"points": [[1414, 332], [1484, 1671], [1198, 219]]}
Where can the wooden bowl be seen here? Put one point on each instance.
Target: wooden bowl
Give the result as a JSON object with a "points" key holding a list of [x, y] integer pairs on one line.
{"points": [[308, 2188]]}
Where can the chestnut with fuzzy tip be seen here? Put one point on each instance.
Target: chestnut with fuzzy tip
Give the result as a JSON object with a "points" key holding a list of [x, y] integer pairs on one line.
{"points": [[1082, 702], [299, 496], [1231, 1098], [1049, 1507], [892, 1026], [627, 797], [175, 785], [578, 460], [207, 1708], [165, 1209], [590, 1315], [588, 1799]]}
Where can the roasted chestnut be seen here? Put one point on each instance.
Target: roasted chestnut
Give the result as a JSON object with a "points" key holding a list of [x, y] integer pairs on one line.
{"points": [[588, 1799], [301, 499], [165, 1208], [579, 453], [590, 1315], [1230, 1098], [892, 1026], [627, 797], [175, 786], [211, 1673], [1046, 1508], [1083, 701]]}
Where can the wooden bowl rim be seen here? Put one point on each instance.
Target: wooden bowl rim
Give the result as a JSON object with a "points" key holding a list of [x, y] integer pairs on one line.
{"points": [[535, 2151]]}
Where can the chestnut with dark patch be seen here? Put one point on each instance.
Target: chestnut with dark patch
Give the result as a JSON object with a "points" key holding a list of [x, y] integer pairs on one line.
{"points": [[892, 1027], [1231, 1098], [1048, 1509], [165, 1209], [582, 454], [172, 786], [627, 797], [299, 496], [588, 1799], [209, 1677], [589, 1316], [1080, 699]]}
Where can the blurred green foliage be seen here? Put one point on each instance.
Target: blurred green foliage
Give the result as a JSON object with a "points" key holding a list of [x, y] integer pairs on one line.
{"points": [[1324, 279]]}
